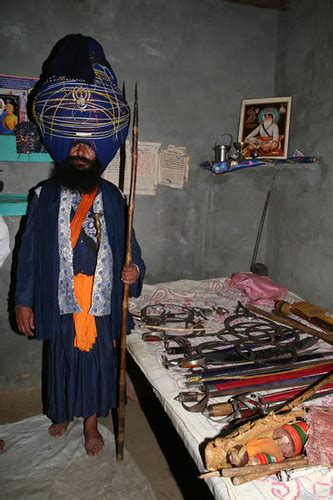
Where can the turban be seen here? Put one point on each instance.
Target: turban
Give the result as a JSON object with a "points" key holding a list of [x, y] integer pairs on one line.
{"points": [[269, 111], [77, 99]]}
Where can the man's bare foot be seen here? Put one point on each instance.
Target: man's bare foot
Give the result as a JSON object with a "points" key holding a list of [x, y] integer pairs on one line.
{"points": [[58, 430], [94, 442], [2, 445]]}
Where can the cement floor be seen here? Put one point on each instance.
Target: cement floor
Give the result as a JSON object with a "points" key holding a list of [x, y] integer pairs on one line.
{"points": [[150, 438]]}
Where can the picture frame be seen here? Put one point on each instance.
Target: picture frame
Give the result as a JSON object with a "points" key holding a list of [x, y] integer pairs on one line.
{"points": [[264, 127], [9, 113]]}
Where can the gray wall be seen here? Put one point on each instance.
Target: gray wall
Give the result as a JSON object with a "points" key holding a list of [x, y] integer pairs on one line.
{"points": [[300, 234], [194, 61]]}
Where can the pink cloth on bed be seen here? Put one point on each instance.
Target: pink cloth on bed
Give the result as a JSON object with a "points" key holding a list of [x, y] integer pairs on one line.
{"points": [[259, 289]]}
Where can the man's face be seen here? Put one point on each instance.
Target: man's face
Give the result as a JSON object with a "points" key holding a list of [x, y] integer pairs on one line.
{"points": [[9, 108], [82, 155], [81, 170], [268, 118]]}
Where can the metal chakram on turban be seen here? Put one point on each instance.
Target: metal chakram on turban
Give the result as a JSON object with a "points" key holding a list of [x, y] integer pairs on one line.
{"points": [[77, 99]]}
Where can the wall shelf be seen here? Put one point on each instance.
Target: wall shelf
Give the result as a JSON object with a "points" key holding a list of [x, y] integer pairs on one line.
{"points": [[13, 204], [228, 167]]}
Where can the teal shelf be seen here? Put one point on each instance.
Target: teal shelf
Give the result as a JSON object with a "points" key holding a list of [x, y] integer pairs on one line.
{"points": [[12, 204], [9, 153]]}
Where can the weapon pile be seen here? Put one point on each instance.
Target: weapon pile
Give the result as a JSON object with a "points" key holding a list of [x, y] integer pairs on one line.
{"points": [[261, 365]]}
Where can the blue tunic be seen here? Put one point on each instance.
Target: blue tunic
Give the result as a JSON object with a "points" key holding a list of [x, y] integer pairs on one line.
{"points": [[79, 384]]}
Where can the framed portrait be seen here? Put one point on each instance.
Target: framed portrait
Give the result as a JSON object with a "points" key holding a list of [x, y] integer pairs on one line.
{"points": [[264, 127], [9, 113]]}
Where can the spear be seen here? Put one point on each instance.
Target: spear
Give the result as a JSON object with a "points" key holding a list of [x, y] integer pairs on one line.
{"points": [[128, 258], [122, 163]]}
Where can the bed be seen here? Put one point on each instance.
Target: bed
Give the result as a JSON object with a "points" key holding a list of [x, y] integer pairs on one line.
{"points": [[194, 428]]}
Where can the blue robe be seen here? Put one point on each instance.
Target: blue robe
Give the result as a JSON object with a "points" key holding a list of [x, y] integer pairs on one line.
{"points": [[78, 383]]}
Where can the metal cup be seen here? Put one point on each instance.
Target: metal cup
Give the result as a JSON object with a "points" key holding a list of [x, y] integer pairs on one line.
{"points": [[221, 152]]}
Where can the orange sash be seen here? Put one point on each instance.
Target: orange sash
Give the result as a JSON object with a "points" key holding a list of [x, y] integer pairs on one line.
{"points": [[84, 323], [85, 204]]}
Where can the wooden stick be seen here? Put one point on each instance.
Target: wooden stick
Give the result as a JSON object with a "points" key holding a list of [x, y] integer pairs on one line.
{"points": [[313, 389], [128, 258], [249, 471], [207, 475], [321, 334], [237, 481], [265, 469]]}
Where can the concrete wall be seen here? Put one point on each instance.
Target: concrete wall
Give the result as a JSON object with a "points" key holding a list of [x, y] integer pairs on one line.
{"points": [[194, 61], [300, 234]]}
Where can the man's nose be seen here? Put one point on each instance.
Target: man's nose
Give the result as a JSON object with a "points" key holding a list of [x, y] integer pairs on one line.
{"points": [[81, 149]]}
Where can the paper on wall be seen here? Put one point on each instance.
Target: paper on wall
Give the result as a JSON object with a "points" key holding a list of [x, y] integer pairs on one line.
{"points": [[168, 167], [173, 170], [147, 173]]}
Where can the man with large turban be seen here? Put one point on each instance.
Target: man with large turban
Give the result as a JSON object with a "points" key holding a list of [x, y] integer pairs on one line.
{"points": [[71, 259]]}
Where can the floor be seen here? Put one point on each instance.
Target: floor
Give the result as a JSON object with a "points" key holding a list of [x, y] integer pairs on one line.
{"points": [[150, 438]]}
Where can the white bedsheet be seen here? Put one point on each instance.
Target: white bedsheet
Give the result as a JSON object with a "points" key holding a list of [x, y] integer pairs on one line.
{"points": [[193, 428]]}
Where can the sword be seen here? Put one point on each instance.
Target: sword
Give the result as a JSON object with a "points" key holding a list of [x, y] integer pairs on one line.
{"points": [[244, 410], [234, 381], [211, 375], [282, 352], [215, 391]]}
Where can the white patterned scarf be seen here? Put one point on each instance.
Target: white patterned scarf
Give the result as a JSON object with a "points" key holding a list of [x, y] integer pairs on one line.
{"points": [[102, 287]]}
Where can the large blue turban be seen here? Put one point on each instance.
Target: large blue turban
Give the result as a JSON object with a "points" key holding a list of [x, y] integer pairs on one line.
{"points": [[78, 100]]}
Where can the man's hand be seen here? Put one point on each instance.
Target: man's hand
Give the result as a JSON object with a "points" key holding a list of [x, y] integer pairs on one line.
{"points": [[25, 320], [130, 274]]}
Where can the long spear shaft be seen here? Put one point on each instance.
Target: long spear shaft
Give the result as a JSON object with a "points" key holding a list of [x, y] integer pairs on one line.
{"points": [[128, 258]]}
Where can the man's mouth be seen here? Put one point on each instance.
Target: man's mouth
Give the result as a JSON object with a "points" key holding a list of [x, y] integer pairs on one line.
{"points": [[80, 161]]}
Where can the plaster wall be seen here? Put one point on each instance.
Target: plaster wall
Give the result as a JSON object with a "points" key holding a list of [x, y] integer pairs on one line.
{"points": [[194, 61], [300, 231]]}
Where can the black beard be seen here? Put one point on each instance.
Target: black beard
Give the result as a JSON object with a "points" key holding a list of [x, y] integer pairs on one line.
{"points": [[70, 176]]}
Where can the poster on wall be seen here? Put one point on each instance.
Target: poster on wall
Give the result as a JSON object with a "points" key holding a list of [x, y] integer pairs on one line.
{"points": [[147, 172], [19, 138], [9, 113], [167, 167], [264, 127], [174, 167]]}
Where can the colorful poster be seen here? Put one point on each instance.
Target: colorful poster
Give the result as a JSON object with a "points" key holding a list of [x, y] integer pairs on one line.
{"points": [[9, 113], [19, 138]]}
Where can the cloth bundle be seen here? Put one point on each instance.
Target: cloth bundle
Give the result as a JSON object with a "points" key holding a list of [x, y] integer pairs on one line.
{"points": [[259, 289]]}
